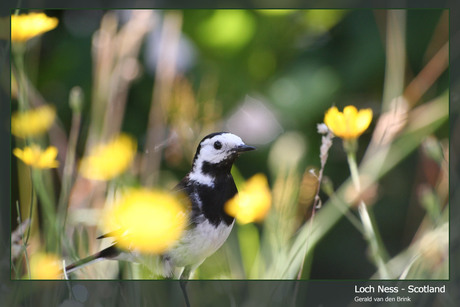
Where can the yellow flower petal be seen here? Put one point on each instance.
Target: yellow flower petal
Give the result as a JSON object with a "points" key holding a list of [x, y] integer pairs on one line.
{"points": [[252, 203], [48, 158], [107, 161], [45, 266], [146, 221], [363, 120], [33, 122], [350, 124], [27, 26], [18, 153], [335, 120], [35, 157], [31, 155], [350, 111]]}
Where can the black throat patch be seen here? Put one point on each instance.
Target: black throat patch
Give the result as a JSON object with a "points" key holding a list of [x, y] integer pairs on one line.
{"points": [[213, 199], [222, 168]]}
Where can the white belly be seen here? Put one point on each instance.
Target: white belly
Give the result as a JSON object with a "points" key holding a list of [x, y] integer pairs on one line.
{"points": [[199, 243]]}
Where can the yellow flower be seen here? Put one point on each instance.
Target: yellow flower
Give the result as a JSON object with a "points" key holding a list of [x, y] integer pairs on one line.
{"points": [[35, 157], [33, 122], [27, 26], [45, 266], [107, 161], [252, 203], [350, 124], [147, 221]]}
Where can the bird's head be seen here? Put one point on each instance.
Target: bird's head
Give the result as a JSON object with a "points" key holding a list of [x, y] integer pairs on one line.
{"points": [[218, 151]]}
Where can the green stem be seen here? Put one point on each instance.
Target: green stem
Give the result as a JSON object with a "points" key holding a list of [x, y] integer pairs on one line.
{"points": [[345, 211], [48, 207], [68, 171], [351, 157], [33, 201], [24, 244], [378, 253], [18, 56]]}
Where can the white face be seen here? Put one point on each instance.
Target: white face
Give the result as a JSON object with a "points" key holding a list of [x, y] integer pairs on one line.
{"points": [[218, 148], [214, 150]]}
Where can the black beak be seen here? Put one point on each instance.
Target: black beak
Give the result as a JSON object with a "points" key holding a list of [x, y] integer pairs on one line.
{"points": [[243, 148]]}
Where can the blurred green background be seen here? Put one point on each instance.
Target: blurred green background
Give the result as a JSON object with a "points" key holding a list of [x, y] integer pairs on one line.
{"points": [[290, 65]]}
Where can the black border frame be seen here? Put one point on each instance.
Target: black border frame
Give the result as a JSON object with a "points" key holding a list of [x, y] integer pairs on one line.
{"points": [[262, 292]]}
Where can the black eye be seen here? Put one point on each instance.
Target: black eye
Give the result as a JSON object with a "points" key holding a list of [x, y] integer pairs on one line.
{"points": [[217, 145]]}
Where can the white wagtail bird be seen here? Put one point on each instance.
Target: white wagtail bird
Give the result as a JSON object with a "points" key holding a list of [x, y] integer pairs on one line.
{"points": [[208, 186]]}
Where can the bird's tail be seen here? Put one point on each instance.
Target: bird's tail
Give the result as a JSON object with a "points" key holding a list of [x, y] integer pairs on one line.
{"points": [[107, 253], [159, 266]]}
